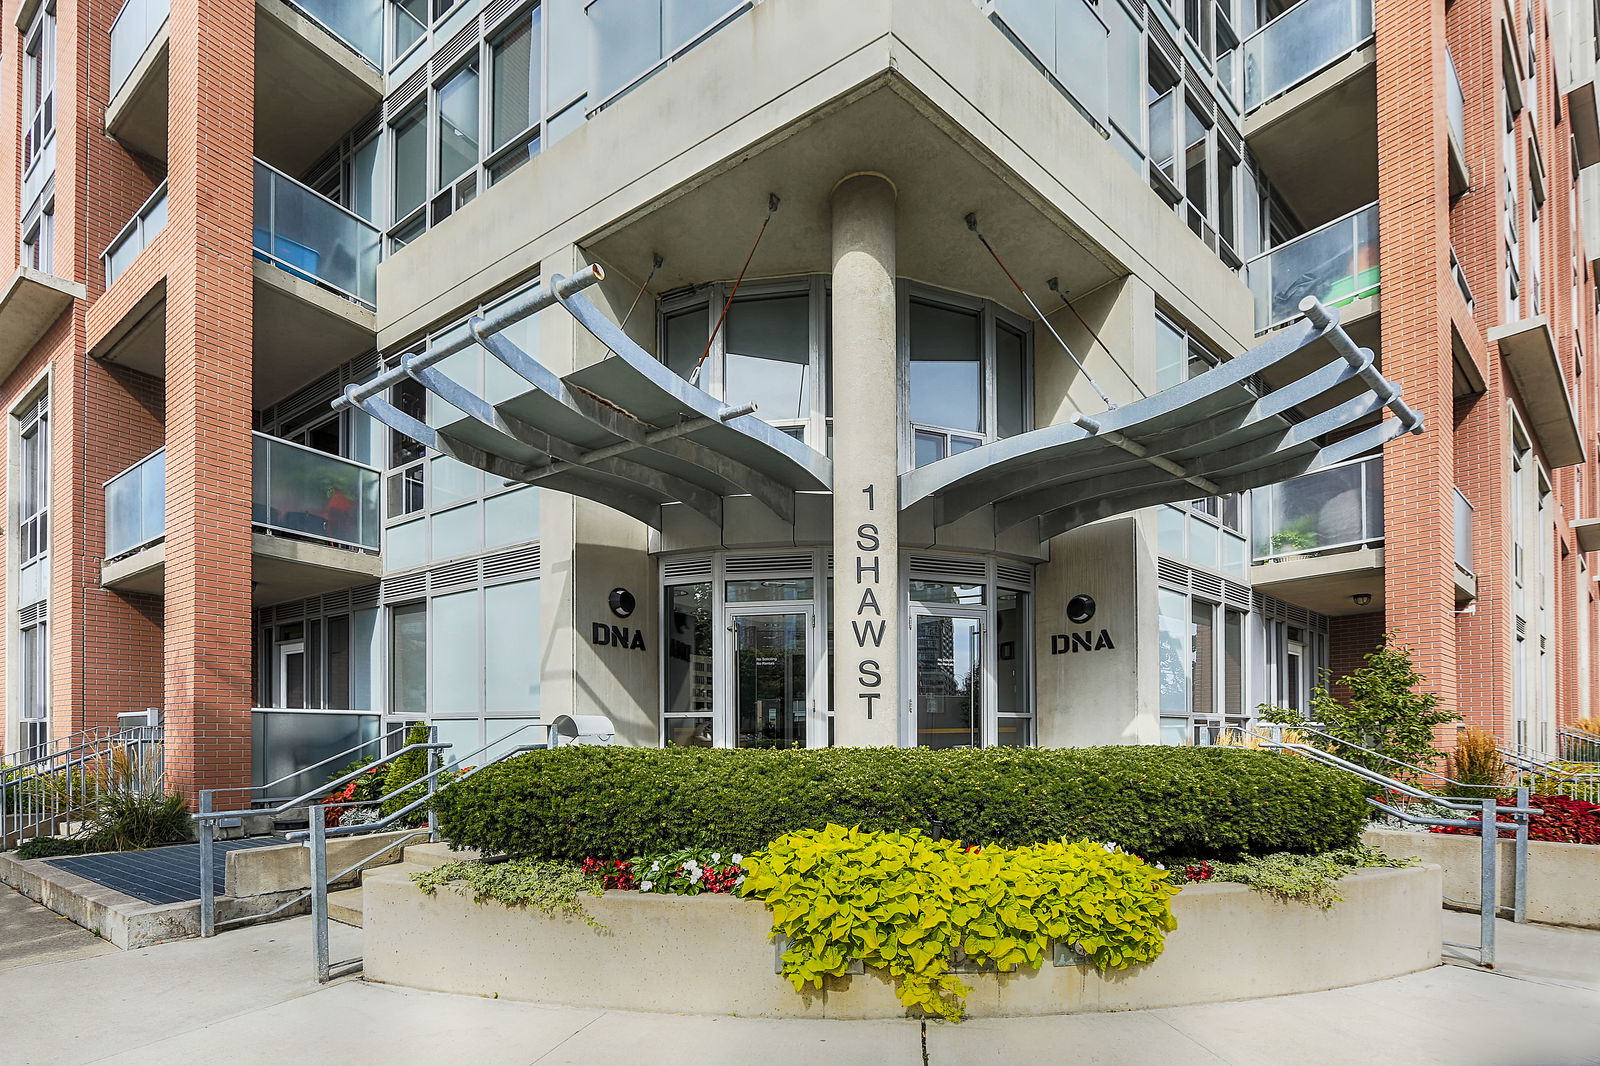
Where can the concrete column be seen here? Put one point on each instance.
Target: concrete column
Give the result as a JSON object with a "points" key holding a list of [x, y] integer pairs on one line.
{"points": [[868, 613]]}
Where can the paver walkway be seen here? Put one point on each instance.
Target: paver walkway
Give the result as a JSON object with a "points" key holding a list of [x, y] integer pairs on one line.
{"points": [[245, 998]]}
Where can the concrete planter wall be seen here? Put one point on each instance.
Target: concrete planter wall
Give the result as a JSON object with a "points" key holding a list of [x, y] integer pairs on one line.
{"points": [[711, 955], [1563, 879]]}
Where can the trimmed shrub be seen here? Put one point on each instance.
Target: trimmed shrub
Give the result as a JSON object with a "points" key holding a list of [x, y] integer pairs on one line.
{"points": [[614, 803]]}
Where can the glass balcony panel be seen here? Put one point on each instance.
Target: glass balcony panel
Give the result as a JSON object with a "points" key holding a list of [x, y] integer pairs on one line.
{"points": [[1463, 533], [309, 493], [1337, 264], [312, 238], [1068, 39], [136, 506], [1455, 102], [1300, 42], [136, 235], [358, 23], [1328, 510], [135, 27]]}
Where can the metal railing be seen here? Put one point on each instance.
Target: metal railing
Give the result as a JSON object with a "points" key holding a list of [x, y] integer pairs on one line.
{"points": [[309, 493], [1578, 745], [358, 24], [295, 490], [1488, 823], [208, 821], [135, 27], [53, 792], [1544, 773], [307, 235], [136, 506], [1463, 532], [1298, 43], [1337, 263], [135, 237], [1334, 509]]}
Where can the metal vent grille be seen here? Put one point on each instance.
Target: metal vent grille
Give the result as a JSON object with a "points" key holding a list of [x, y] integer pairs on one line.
{"points": [[404, 96], [936, 568], [1172, 573], [452, 575], [768, 564], [499, 10], [363, 597], [1019, 577], [1206, 584], [1522, 628], [335, 602], [1163, 42], [511, 565], [1235, 595], [685, 570], [409, 587], [34, 614], [454, 48]]}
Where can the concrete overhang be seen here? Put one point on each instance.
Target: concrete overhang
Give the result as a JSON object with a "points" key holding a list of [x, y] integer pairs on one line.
{"points": [[281, 568], [139, 338], [928, 92], [29, 306], [137, 114], [1465, 373], [301, 331], [1529, 352], [311, 88], [1318, 142], [1581, 106], [1587, 530], [1325, 583]]}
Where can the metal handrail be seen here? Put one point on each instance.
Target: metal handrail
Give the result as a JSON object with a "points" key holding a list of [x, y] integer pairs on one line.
{"points": [[320, 790], [307, 769], [26, 809]]}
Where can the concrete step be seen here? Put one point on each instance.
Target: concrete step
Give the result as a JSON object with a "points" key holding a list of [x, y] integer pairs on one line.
{"points": [[345, 906], [436, 854]]}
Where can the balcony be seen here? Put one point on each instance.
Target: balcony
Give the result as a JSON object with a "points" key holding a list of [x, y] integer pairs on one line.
{"points": [[316, 70], [1455, 107], [1338, 264], [315, 521], [1310, 96], [30, 303], [316, 284], [1529, 352], [141, 229], [137, 112]]}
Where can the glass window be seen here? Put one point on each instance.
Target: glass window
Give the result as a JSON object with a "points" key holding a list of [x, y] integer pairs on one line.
{"points": [[1174, 624], [769, 590], [455, 653], [1013, 653], [689, 673], [34, 520], [510, 648], [39, 82], [336, 635], [1171, 355], [1010, 381], [365, 179], [1203, 658], [1233, 664], [408, 664], [684, 337], [410, 161], [514, 66], [947, 592], [768, 356], [410, 21], [458, 124], [946, 367]]}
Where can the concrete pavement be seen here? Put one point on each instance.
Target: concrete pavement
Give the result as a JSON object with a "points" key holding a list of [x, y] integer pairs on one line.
{"points": [[246, 998], [29, 935]]}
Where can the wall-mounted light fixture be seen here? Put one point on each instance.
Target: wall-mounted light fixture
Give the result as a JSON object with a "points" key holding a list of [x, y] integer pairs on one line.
{"points": [[1362, 598]]}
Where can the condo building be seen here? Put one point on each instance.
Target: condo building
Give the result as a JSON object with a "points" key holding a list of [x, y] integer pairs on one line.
{"points": [[790, 372]]}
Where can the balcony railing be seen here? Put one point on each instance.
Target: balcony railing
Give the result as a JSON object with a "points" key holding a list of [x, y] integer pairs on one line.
{"points": [[1301, 41], [136, 235], [1463, 533], [135, 27], [307, 493], [1330, 510], [136, 506], [1336, 263], [357, 23], [1455, 104], [297, 491], [305, 234]]}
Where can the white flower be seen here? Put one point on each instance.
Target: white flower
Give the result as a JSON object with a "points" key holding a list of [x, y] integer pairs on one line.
{"points": [[655, 867], [1160, 867], [694, 878], [1112, 848], [716, 856], [645, 886], [737, 859]]}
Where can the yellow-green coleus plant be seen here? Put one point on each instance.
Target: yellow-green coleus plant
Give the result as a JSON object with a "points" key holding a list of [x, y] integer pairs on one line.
{"points": [[904, 903]]}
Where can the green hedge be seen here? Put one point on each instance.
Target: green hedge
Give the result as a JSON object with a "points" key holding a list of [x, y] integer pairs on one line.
{"points": [[573, 803]]}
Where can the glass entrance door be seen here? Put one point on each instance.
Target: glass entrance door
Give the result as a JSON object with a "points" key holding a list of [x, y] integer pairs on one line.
{"points": [[771, 691], [947, 662]]}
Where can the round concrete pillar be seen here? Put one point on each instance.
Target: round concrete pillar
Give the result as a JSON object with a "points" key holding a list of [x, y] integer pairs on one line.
{"points": [[868, 616]]}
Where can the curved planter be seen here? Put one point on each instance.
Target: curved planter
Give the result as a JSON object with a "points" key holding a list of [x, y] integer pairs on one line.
{"points": [[711, 955]]}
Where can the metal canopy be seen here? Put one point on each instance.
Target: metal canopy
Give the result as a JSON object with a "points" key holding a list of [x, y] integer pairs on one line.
{"points": [[626, 431], [1211, 434]]}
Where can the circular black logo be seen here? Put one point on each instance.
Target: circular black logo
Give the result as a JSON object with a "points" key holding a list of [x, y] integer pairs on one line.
{"points": [[621, 602], [1080, 609]]}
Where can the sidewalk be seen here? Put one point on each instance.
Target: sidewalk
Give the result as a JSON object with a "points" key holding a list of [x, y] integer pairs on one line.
{"points": [[246, 998]]}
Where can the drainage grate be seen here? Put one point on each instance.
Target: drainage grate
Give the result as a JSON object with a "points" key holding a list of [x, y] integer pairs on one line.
{"points": [[159, 875]]}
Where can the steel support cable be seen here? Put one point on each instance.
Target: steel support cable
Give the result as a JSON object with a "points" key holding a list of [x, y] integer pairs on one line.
{"points": [[972, 224], [772, 209], [1054, 284]]}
